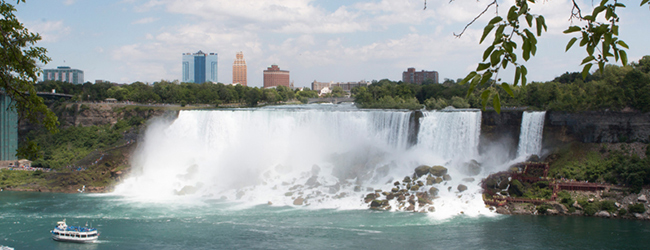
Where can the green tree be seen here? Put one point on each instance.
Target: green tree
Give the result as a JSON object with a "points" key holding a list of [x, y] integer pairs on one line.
{"points": [[19, 70]]}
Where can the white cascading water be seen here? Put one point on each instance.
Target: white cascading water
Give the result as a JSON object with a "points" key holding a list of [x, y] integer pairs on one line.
{"points": [[530, 137], [325, 158]]}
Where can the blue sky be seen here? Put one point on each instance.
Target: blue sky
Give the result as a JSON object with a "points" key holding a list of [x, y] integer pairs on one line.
{"points": [[143, 40]]}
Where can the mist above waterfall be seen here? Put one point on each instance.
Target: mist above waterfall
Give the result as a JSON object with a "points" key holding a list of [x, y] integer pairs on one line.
{"points": [[315, 157]]}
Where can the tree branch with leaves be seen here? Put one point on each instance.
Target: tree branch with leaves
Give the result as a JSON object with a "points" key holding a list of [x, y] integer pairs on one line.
{"points": [[19, 70], [517, 33]]}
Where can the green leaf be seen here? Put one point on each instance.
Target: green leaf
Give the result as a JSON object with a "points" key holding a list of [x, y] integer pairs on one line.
{"points": [[484, 97], [473, 85], [539, 25], [486, 31], [623, 44], [497, 103], [517, 76], [568, 46], [524, 72], [485, 78], [601, 67], [529, 19], [499, 33], [644, 2], [585, 71], [587, 59], [526, 50], [482, 66], [495, 58], [620, 5], [598, 9], [487, 52], [507, 88], [623, 57], [512, 14], [496, 19], [468, 77], [572, 29], [615, 30]]}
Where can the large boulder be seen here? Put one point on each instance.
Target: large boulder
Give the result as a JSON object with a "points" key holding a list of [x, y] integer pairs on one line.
{"points": [[298, 201], [642, 198], [462, 188], [446, 177], [438, 170], [604, 214], [422, 170]]}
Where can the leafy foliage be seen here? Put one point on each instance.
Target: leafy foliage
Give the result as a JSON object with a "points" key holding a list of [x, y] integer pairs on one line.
{"points": [[19, 70], [517, 31]]}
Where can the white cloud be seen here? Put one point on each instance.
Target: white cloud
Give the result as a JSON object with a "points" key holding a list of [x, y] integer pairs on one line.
{"points": [[50, 31], [145, 20], [69, 2]]}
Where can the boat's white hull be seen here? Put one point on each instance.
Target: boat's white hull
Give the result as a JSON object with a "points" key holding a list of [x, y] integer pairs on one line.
{"points": [[75, 236], [75, 239]]}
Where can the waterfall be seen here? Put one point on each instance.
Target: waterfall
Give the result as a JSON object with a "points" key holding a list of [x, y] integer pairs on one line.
{"points": [[451, 134], [329, 157], [530, 138]]}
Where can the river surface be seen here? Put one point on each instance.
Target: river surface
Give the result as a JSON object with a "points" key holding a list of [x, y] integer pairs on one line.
{"points": [[26, 218]]}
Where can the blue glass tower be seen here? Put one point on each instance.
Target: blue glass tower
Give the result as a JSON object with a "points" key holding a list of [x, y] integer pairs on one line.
{"points": [[200, 67]]}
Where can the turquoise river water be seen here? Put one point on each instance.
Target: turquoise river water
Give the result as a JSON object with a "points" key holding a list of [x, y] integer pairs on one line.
{"points": [[26, 218]]}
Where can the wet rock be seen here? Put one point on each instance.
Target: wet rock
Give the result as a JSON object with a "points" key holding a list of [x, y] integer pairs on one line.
{"points": [[604, 214], [406, 179], [396, 183], [446, 177], [431, 209], [431, 180], [369, 197], [369, 189], [422, 170], [298, 201], [533, 158], [288, 194], [470, 179], [334, 189], [577, 205], [188, 190], [390, 196], [461, 188], [642, 198], [433, 191], [376, 203], [472, 168], [240, 194], [438, 180], [438, 170], [312, 182], [395, 190], [401, 197], [415, 188], [315, 170], [357, 189]]}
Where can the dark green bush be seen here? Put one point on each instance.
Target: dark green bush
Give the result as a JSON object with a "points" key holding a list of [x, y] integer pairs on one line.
{"points": [[542, 209], [607, 205], [590, 209], [637, 208]]}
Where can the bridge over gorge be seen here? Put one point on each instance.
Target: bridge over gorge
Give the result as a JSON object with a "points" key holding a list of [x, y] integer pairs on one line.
{"points": [[335, 100]]}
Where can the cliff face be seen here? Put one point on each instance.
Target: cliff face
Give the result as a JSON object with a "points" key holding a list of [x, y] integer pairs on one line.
{"points": [[502, 129], [89, 114], [599, 127]]}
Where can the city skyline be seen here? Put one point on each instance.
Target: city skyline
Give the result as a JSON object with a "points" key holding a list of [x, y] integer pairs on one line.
{"points": [[336, 40]]}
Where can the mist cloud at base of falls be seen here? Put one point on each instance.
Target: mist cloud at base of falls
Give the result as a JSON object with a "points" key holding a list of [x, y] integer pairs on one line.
{"points": [[329, 158]]}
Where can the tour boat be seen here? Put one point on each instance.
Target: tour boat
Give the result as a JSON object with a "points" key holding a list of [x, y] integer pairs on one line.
{"points": [[63, 232]]}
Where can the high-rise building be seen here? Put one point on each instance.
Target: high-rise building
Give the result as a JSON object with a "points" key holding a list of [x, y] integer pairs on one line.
{"points": [[8, 130], [412, 76], [273, 77], [239, 70], [64, 74], [199, 67]]}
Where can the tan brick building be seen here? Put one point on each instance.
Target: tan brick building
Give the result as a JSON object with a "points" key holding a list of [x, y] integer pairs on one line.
{"points": [[239, 70], [273, 77]]}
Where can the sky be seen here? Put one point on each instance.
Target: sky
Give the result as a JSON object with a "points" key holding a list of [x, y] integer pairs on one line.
{"points": [[126, 41]]}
